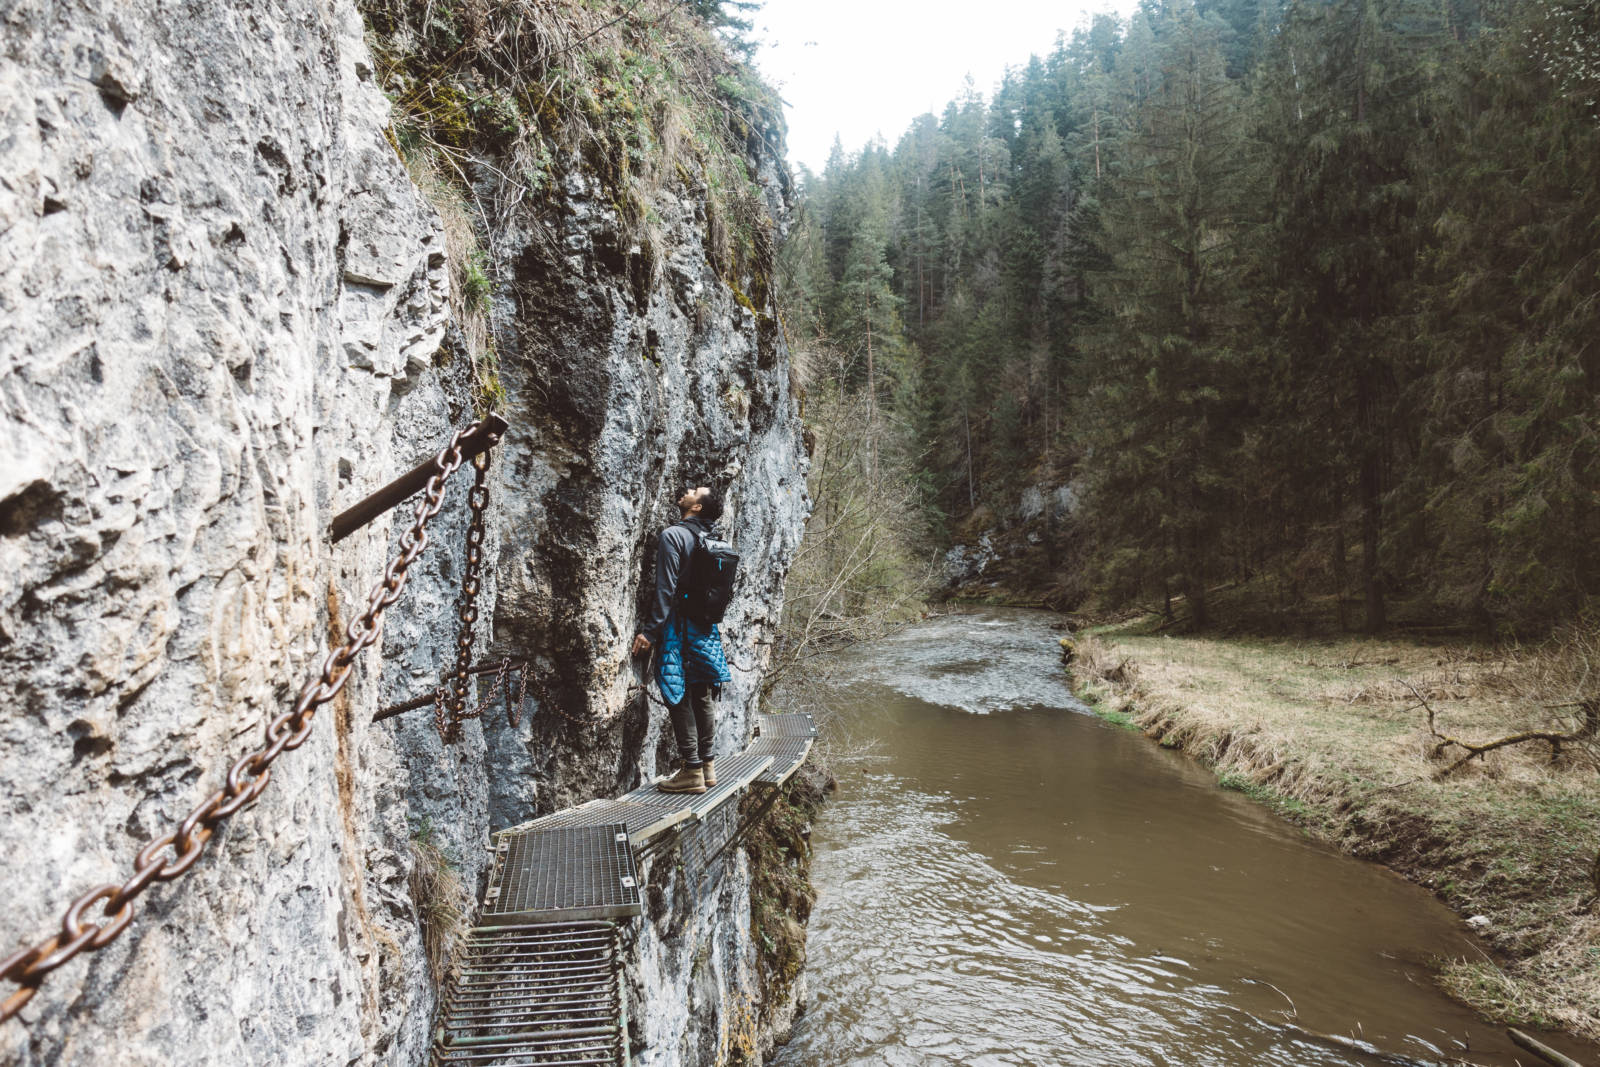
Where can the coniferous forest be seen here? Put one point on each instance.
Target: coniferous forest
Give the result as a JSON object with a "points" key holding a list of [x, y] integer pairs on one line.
{"points": [[1301, 304]]}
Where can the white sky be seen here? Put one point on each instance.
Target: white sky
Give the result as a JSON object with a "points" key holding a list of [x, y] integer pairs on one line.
{"points": [[860, 68]]}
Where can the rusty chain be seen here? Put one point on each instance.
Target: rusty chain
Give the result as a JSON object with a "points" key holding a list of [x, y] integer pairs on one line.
{"points": [[468, 605], [450, 699], [514, 709], [246, 779], [448, 722], [644, 687], [467, 611]]}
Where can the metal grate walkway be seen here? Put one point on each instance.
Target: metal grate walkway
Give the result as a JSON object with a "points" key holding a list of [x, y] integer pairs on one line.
{"points": [[536, 996], [583, 872], [787, 739], [539, 983]]}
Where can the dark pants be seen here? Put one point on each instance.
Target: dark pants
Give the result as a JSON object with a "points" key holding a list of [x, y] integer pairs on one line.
{"points": [[691, 724]]}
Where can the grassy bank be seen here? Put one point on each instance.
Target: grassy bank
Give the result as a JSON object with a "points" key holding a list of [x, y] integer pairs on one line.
{"points": [[1335, 734]]}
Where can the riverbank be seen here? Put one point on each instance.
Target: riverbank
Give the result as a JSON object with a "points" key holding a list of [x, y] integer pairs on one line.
{"points": [[1334, 733]]}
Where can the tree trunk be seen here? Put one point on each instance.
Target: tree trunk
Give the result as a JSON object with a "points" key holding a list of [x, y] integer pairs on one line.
{"points": [[1371, 489], [1194, 568], [1097, 144], [872, 406], [921, 252], [1340, 577], [980, 177], [1199, 616], [972, 496], [1371, 520]]}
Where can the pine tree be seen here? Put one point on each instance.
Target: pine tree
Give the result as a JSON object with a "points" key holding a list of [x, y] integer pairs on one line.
{"points": [[1508, 478], [732, 18], [1347, 93], [1168, 404]]}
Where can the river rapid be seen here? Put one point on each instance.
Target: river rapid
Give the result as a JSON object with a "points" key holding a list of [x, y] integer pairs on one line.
{"points": [[1007, 879]]}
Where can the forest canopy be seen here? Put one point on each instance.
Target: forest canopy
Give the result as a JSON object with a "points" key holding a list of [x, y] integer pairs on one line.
{"points": [[1296, 299]]}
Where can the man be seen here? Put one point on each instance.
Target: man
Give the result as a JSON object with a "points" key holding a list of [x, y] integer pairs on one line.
{"points": [[690, 666]]}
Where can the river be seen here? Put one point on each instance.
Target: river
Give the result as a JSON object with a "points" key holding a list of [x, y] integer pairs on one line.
{"points": [[1006, 879]]}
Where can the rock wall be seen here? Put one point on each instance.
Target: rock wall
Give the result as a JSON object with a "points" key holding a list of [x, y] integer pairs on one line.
{"points": [[1030, 554], [224, 317]]}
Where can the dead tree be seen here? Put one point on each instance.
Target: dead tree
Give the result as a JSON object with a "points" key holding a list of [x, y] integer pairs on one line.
{"points": [[1588, 729]]}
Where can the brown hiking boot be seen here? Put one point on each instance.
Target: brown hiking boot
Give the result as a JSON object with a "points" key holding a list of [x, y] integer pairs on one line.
{"points": [[710, 773], [687, 780]]}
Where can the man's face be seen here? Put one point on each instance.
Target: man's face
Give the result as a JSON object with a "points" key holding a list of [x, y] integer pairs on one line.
{"points": [[691, 499]]}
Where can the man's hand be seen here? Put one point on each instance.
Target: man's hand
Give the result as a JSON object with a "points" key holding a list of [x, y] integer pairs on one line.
{"points": [[641, 645]]}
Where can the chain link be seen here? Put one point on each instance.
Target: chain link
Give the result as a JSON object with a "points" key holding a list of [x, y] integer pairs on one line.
{"points": [[460, 684], [644, 687], [449, 723], [514, 708], [547, 702], [97, 917]]}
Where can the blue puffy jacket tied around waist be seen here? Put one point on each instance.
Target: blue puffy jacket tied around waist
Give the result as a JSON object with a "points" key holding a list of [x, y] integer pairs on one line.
{"points": [[690, 653]]}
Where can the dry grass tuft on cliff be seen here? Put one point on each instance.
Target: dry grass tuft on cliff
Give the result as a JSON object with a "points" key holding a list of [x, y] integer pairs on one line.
{"points": [[1336, 734], [470, 286], [504, 94], [496, 101], [442, 901]]}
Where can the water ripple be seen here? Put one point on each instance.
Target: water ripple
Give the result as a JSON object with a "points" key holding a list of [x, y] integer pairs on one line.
{"points": [[1036, 888]]}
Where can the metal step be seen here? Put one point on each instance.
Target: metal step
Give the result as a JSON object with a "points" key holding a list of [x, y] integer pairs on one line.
{"points": [[733, 774], [792, 724], [787, 739], [538, 995], [562, 874]]}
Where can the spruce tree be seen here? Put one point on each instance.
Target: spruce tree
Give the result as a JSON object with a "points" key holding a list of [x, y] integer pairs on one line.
{"points": [[1167, 405], [1346, 89]]}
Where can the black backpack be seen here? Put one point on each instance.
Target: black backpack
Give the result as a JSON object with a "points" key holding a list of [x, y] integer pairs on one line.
{"points": [[708, 586]]}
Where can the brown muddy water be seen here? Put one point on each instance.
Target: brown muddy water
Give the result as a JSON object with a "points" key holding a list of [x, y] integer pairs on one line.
{"points": [[1009, 880]]}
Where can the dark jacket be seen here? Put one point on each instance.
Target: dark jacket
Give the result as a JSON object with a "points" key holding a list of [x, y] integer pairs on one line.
{"points": [[686, 652], [673, 551]]}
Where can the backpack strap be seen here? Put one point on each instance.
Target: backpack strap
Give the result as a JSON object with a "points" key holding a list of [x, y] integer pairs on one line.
{"points": [[686, 568], [695, 530]]}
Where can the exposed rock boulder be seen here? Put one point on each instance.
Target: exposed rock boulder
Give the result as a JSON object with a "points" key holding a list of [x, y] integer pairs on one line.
{"points": [[1059, 502], [1032, 505], [963, 563]]}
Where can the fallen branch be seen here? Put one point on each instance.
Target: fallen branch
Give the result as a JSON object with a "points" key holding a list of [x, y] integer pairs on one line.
{"points": [[1293, 1012], [1587, 730], [1540, 1049]]}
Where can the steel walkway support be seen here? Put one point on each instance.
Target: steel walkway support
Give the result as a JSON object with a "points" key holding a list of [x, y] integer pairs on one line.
{"points": [[539, 981]]}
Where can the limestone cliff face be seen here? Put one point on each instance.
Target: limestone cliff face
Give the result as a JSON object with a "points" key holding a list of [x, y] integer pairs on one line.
{"points": [[225, 316]]}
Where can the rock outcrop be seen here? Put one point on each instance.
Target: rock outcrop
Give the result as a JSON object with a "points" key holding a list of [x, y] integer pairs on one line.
{"points": [[225, 315]]}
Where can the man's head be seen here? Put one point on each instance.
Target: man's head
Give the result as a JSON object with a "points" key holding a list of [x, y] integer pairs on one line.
{"points": [[704, 501]]}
